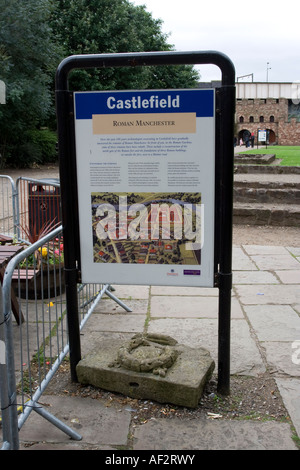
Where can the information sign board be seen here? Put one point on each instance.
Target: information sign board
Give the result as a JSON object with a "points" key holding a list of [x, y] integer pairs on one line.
{"points": [[262, 135], [146, 184]]}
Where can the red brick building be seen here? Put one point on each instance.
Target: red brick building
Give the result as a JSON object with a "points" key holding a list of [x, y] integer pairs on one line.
{"points": [[273, 107], [268, 106]]}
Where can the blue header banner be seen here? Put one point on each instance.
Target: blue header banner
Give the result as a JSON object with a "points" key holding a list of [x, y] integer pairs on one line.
{"points": [[199, 101]]}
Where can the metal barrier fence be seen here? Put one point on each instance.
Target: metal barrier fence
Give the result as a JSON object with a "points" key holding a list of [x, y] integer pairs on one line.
{"points": [[33, 321], [28, 207], [36, 343], [8, 209], [38, 208]]}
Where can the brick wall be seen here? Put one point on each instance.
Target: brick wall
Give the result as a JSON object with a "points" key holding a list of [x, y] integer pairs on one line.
{"points": [[289, 132], [249, 113]]}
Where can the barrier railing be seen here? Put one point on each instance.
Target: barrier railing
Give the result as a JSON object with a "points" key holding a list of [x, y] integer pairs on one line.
{"points": [[37, 344], [8, 211], [33, 315], [28, 206], [37, 207]]}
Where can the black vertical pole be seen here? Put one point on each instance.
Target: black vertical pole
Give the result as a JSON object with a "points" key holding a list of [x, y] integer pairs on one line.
{"points": [[226, 154], [65, 121]]}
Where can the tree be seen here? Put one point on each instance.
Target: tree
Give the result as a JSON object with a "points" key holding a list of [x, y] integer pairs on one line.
{"points": [[35, 35], [111, 26], [28, 59]]}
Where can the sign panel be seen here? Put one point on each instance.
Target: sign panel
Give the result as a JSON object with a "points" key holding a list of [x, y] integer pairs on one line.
{"points": [[146, 183], [262, 135]]}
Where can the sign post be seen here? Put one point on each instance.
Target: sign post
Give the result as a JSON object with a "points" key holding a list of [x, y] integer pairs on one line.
{"points": [[146, 185]]}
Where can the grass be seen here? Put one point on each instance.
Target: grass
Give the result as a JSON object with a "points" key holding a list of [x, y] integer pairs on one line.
{"points": [[289, 155]]}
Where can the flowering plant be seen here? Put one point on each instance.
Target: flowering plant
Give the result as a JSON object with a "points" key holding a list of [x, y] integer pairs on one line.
{"points": [[52, 252]]}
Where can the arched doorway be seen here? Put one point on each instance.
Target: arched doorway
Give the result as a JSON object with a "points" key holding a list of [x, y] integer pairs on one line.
{"points": [[272, 136], [244, 136]]}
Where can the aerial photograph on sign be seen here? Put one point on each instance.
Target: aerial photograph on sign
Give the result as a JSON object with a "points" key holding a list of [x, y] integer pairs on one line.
{"points": [[146, 228]]}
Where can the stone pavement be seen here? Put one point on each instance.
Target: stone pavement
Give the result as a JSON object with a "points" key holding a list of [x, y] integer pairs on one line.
{"points": [[265, 337]]}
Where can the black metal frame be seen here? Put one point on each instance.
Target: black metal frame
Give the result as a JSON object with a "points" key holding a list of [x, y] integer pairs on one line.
{"points": [[225, 109]]}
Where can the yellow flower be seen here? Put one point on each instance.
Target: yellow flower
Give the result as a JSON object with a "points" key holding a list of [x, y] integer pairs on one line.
{"points": [[44, 252]]}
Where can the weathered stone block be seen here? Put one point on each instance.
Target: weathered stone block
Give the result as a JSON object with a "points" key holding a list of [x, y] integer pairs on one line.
{"points": [[260, 159], [181, 383]]}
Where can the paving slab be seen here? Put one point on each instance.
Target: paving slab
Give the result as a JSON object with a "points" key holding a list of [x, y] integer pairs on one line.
{"points": [[131, 292], [245, 356], [204, 434], [275, 262], [280, 358], [289, 277], [137, 306], [254, 277], [265, 250], [97, 424], [187, 291], [274, 322], [127, 323], [294, 250], [240, 260], [290, 392], [178, 307], [196, 307], [268, 294]]}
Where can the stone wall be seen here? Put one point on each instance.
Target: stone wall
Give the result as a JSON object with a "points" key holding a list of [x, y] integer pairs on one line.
{"points": [[289, 132], [271, 114]]}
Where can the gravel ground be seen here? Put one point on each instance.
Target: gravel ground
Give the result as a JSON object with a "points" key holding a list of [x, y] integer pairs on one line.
{"points": [[266, 235]]}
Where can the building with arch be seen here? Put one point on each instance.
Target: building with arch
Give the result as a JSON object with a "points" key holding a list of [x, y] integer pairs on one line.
{"points": [[273, 107]]}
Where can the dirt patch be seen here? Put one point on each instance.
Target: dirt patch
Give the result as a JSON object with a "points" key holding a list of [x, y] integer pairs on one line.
{"points": [[265, 235]]}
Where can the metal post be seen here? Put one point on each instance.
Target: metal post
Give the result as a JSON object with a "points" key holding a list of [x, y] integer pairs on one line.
{"points": [[227, 106], [69, 218]]}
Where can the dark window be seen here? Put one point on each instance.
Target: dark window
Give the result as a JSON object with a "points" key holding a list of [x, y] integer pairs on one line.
{"points": [[241, 118], [261, 119], [272, 119], [251, 119]]}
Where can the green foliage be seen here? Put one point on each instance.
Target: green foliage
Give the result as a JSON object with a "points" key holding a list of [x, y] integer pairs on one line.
{"points": [[28, 60], [114, 26], [35, 35], [38, 146]]}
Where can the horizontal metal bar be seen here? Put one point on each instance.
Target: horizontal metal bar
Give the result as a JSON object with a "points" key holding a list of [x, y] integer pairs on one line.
{"points": [[133, 59]]}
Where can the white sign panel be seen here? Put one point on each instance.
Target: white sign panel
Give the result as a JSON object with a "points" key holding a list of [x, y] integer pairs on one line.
{"points": [[262, 135], [146, 183]]}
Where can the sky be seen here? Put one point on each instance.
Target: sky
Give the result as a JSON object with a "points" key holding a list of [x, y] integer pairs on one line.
{"points": [[261, 37]]}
